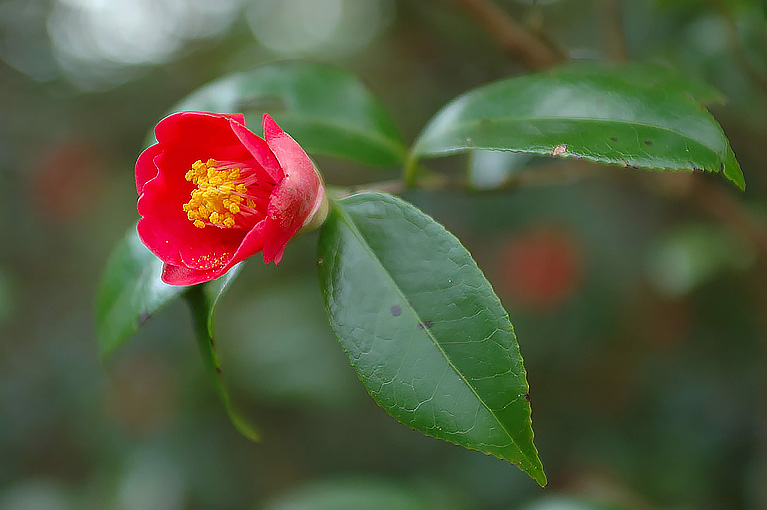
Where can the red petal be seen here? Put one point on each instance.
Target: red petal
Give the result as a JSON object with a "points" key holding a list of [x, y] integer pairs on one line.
{"points": [[180, 275], [145, 167], [259, 150], [164, 227], [183, 275], [295, 197]]}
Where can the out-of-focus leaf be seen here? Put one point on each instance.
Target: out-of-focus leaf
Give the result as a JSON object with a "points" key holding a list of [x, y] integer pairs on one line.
{"points": [[349, 495], [690, 256], [202, 301], [129, 293], [423, 328], [327, 110], [491, 169], [582, 113], [569, 503], [294, 358], [6, 296]]}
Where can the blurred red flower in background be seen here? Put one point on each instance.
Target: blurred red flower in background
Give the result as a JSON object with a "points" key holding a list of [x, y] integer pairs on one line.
{"points": [[541, 269], [66, 177], [212, 193]]}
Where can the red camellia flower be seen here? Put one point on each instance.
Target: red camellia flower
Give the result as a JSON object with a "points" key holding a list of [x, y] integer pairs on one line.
{"points": [[212, 193]]}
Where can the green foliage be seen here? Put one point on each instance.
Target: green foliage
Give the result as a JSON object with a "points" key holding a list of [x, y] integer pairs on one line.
{"points": [[202, 301], [601, 115], [353, 494], [421, 325], [129, 293], [327, 110], [423, 328]]}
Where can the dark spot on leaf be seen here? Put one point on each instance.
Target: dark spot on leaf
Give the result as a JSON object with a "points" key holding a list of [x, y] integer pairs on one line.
{"points": [[425, 324], [648, 142], [218, 370], [396, 310], [212, 343], [484, 122], [143, 318], [614, 138], [527, 396]]}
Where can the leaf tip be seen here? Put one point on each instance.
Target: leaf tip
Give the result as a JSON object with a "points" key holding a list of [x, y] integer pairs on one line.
{"points": [[243, 426]]}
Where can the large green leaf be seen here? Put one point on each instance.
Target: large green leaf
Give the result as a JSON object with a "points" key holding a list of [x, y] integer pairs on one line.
{"points": [[423, 328], [608, 115], [327, 110], [129, 293]]}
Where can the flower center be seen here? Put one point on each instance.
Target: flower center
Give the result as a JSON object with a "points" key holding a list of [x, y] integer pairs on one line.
{"points": [[221, 197]]}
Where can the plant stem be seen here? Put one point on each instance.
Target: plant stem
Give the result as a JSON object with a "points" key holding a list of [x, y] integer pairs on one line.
{"points": [[512, 36], [614, 34], [200, 308]]}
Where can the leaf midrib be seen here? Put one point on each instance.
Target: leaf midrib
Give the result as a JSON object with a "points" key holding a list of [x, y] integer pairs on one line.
{"points": [[361, 238]]}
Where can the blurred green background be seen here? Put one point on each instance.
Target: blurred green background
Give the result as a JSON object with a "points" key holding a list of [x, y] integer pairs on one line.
{"points": [[639, 301]]}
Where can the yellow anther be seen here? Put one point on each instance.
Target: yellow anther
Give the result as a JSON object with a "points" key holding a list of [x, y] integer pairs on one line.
{"points": [[217, 195]]}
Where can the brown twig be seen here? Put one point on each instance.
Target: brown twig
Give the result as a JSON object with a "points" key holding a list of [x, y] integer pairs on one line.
{"points": [[756, 76], [614, 34], [512, 36], [553, 173]]}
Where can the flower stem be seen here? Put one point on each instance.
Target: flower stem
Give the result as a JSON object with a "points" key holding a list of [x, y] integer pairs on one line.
{"points": [[200, 306]]}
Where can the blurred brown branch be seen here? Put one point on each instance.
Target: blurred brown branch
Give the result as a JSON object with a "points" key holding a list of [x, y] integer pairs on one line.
{"points": [[614, 33], [512, 36], [757, 77]]}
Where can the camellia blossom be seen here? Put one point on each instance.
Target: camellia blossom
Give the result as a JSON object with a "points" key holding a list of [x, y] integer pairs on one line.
{"points": [[212, 193]]}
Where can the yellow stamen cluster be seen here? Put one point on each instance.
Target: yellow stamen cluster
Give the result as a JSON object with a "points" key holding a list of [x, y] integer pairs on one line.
{"points": [[217, 197]]}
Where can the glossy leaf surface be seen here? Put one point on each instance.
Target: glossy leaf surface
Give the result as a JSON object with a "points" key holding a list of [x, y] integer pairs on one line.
{"points": [[327, 110], [423, 328], [129, 293], [606, 116]]}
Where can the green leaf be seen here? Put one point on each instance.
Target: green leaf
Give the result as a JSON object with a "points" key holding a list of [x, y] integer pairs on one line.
{"points": [[578, 112], [129, 293], [647, 75], [491, 169], [202, 301], [327, 110], [423, 328], [350, 494]]}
